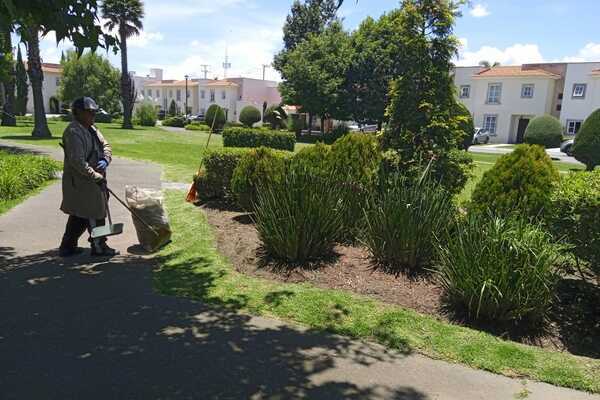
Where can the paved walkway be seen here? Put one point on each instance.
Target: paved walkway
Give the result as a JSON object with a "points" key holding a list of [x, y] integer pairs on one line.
{"points": [[555, 154], [87, 329]]}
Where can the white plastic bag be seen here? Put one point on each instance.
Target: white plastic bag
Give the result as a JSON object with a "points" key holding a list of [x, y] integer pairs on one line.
{"points": [[148, 204]]}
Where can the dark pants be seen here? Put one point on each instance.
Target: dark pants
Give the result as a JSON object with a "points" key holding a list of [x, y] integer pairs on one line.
{"points": [[76, 227]]}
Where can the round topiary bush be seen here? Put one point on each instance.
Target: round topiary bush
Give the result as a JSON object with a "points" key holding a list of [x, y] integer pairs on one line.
{"points": [[544, 130], [249, 116], [520, 181], [586, 147], [215, 117]]}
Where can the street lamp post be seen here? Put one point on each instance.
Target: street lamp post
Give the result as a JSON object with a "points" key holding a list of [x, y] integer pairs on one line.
{"points": [[186, 95]]}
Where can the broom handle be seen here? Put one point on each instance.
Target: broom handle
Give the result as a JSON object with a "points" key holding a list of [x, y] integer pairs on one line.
{"points": [[133, 212]]}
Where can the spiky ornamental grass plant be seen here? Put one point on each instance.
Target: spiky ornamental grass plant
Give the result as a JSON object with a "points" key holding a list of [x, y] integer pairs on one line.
{"points": [[401, 218], [498, 270], [300, 218]]}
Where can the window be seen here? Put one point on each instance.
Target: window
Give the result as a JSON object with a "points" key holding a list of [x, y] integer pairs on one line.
{"points": [[178, 93], [158, 94], [573, 126], [494, 93], [170, 93], [57, 81], [559, 107], [527, 91], [212, 94], [223, 95], [202, 94], [490, 122], [465, 91], [150, 93], [579, 90], [560, 96]]}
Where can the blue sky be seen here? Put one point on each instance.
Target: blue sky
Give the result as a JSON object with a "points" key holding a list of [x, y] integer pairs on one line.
{"points": [[180, 35]]}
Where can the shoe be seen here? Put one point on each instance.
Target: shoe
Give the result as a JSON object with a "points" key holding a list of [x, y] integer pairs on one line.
{"points": [[69, 251], [102, 250]]}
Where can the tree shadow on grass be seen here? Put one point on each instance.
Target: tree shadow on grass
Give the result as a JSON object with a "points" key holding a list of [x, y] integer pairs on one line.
{"points": [[72, 329], [29, 138]]}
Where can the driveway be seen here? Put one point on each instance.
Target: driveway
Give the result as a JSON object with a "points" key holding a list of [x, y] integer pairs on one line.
{"points": [[555, 154], [83, 328]]}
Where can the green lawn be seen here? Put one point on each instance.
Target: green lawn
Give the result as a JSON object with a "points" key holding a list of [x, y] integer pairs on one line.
{"points": [[192, 267]]}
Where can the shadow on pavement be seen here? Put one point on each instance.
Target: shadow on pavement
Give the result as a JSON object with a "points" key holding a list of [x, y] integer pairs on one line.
{"points": [[74, 330]]}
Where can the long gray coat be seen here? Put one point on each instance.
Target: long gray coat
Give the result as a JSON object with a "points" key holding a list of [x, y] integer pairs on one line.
{"points": [[82, 196]]}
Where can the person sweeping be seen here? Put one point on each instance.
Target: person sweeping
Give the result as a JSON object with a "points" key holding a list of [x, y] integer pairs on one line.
{"points": [[87, 157]]}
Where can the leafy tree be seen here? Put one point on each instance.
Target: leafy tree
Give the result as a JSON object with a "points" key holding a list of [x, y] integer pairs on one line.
{"points": [[90, 75], [249, 116], [22, 85], [315, 72], [465, 124], [7, 77], [76, 20], [544, 130], [126, 16], [172, 109], [215, 117], [586, 147]]}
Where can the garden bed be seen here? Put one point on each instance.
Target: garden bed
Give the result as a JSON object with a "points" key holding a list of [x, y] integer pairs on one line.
{"points": [[573, 325]]}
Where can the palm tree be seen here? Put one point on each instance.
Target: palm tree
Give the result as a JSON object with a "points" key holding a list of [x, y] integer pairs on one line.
{"points": [[7, 79], [36, 78], [486, 64], [125, 16]]}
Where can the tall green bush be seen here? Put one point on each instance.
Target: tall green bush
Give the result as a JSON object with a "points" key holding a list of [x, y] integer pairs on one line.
{"points": [[586, 147], [521, 181], [465, 125], [249, 116], [257, 168], [213, 180], [498, 270], [215, 117], [574, 215], [402, 219], [247, 137], [544, 130], [145, 114]]}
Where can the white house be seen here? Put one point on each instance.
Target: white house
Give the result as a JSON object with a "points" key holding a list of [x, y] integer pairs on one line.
{"points": [[52, 76], [504, 99]]}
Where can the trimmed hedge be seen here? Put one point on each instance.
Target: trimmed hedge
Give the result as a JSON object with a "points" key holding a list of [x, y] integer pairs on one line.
{"points": [[197, 126], [574, 215], [246, 137], [249, 116], [213, 180], [177, 122], [544, 130], [586, 147]]}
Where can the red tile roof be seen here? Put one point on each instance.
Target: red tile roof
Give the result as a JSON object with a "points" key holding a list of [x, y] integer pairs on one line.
{"points": [[514, 71]]}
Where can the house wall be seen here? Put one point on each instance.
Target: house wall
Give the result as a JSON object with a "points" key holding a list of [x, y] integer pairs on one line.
{"points": [[575, 108], [464, 76], [50, 87]]}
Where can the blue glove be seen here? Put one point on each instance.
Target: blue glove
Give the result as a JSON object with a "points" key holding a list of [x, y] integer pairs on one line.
{"points": [[102, 164]]}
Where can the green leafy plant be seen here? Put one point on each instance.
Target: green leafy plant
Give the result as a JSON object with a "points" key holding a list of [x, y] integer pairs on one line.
{"points": [[215, 117], [314, 159], [177, 121], [257, 168], [496, 269], [21, 173], [299, 219], [586, 147], [276, 117], [197, 126], [402, 217], [213, 180], [544, 130], [246, 137], [145, 114], [574, 216], [465, 124], [521, 182], [249, 116], [337, 133]]}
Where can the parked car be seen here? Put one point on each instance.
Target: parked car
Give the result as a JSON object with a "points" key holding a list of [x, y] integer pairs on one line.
{"points": [[481, 136], [362, 128], [198, 118], [567, 147]]}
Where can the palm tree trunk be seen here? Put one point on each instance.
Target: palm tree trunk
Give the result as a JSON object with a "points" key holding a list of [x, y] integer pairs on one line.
{"points": [[8, 114], [125, 82], [36, 77]]}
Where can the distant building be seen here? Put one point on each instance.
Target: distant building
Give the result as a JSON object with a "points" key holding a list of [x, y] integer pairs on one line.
{"points": [[504, 99], [50, 85]]}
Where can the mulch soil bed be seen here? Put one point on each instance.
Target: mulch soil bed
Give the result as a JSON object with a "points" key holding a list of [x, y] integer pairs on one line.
{"points": [[574, 325]]}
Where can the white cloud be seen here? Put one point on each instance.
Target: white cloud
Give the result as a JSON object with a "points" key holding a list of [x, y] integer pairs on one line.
{"points": [[479, 11], [590, 52], [513, 55], [144, 38]]}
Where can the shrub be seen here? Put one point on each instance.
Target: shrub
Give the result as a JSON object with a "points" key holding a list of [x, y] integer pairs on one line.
{"points": [[296, 124], [544, 130], [215, 117], [145, 114], [172, 109], [586, 147], [465, 124], [498, 270], [197, 126], [257, 168], [214, 178], [299, 219], [453, 170], [178, 121], [249, 116], [230, 124], [337, 132], [314, 159], [245, 137], [276, 117], [22, 173], [574, 215], [402, 217], [103, 118], [521, 182]]}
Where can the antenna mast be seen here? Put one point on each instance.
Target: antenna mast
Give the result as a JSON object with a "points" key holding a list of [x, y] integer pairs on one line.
{"points": [[205, 70], [226, 64]]}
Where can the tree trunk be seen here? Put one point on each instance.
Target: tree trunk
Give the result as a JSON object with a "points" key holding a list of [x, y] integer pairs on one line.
{"points": [[125, 82], [36, 77], [8, 114], [322, 124], [310, 120]]}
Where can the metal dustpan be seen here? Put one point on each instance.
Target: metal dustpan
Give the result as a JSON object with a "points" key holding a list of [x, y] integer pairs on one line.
{"points": [[107, 230]]}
